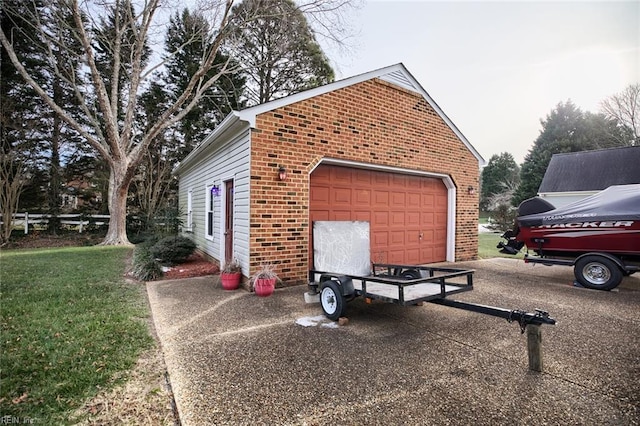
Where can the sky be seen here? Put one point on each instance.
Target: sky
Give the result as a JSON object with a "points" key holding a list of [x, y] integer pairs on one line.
{"points": [[498, 68]]}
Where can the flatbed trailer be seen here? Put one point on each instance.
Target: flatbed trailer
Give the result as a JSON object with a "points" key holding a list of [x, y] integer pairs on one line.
{"points": [[409, 285], [399, 284], [344, 247], [412, 285]]}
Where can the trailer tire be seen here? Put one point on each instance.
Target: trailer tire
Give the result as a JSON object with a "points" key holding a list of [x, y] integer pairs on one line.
{"points": [[333, 304], [597, 272], [411, 274]]}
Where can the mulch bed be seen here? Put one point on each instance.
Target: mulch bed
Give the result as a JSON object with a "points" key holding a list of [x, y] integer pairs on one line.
{"points": [[195, 266]]}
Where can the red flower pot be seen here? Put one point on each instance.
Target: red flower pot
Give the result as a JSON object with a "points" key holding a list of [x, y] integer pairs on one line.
{"points": [[264, 286], [230, 281]]}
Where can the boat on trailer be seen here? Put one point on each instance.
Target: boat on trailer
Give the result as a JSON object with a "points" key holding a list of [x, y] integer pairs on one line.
{"points": [[599, 235]]}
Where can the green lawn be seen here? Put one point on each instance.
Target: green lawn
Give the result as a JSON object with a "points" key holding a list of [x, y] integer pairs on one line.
{"points": [[69, 324], [487, 243]]}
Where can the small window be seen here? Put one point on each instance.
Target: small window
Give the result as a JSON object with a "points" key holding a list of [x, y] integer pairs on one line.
{"points": [[211, 192], [190, 211]]}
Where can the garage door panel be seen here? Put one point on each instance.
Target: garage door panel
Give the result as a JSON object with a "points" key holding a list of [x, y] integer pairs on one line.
{"points": [[428, 201], [427, 219], [362, 178], [380, 200], [413, 200], [398, 199], [341, 196], [396, 238], [412, 237], [380, 219], [320, 195], [362, 216], [380, 179], [341, 175], [441, 202], [413, 218], [396, 256], [400, 209], [341, 215], [322, 175], [320, 215], [412, 256], [362, 197], [397, 219], [414, 182], [427, 253], [380, 239]]}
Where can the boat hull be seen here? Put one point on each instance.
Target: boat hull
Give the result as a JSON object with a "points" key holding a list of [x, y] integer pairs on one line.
{"points": [[619, 237]]}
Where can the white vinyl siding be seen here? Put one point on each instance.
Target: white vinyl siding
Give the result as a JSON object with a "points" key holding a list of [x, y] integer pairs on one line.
{"points": [[222, 161]]}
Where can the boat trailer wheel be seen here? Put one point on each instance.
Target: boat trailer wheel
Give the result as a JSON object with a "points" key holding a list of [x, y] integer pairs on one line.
{"points": [[597, 272]]}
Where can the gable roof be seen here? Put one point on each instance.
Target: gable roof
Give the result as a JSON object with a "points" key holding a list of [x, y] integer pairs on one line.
{"points": [[396, 74], [592, 170]]}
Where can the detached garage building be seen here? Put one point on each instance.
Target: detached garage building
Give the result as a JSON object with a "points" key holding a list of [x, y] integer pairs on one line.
{"points": [[374, 147]]}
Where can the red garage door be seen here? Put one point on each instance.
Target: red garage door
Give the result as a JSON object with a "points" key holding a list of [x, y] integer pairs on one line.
{"points": [[407, 214]]}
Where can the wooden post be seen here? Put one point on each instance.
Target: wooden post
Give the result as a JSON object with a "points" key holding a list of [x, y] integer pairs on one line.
{"points": [[534, 347], [26, 223]]}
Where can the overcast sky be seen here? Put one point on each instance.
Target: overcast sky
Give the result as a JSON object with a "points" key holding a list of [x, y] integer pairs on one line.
{"points": [[498, 68]]}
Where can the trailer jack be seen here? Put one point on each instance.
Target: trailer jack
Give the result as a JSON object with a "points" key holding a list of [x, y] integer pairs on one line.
{"points": [[529, 322]]}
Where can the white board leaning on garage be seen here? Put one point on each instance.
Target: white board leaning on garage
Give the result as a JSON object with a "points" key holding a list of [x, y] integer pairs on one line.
{"points": [[342, 247]]}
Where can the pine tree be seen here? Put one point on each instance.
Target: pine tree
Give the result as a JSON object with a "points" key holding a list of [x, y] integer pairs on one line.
{"points": [[189, 36], [501, 174], [277, 49], [566, 129]]}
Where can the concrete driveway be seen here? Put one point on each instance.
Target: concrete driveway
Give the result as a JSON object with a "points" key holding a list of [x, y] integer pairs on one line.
{"points": [[234, 358]]}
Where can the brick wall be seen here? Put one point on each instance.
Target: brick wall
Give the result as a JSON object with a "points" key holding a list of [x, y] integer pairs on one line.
{"points": [[370, 122]]}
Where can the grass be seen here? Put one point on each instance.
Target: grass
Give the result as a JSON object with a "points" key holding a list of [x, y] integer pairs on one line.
{"points": [[69, 326], [487, 242]]}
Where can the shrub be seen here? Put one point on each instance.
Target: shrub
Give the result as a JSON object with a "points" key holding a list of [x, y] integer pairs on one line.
{"points": [[145, 267], [175, 249]]}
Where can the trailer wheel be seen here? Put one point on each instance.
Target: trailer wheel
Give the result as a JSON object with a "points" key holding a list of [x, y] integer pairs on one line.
{"points": [[597, 272], [410, 274], [332, 302]]}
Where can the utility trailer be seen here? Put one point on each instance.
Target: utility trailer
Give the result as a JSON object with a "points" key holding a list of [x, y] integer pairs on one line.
{"points": [[409, 285], [343, 272], [400, 284]]}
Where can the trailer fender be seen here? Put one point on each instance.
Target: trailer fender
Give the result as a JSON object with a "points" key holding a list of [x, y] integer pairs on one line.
{"points": [[344, 284]]}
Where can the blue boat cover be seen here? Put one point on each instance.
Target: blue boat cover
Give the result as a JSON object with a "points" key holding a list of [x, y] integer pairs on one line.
{"points": [[616, 203]]}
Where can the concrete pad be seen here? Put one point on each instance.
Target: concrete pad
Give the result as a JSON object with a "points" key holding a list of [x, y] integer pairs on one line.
{"points": [[234, 358]]}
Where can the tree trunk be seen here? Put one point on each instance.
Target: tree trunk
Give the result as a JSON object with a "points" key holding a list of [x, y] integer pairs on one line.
{"points": [[118, 191]]}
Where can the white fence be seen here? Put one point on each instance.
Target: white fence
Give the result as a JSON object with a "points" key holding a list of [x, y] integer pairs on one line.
{"points": [[37, 221]]}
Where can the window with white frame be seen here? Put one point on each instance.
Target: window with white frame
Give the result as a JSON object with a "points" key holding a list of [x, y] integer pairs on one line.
{"points": [[211, 193], [190, 211]]}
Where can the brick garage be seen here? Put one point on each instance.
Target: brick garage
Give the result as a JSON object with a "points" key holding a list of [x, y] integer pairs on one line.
{"points": [[356, 149]]}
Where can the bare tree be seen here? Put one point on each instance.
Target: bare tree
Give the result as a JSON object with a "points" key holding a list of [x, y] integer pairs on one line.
{"points": [[13, 178], [624, 107], [108, 101]]}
